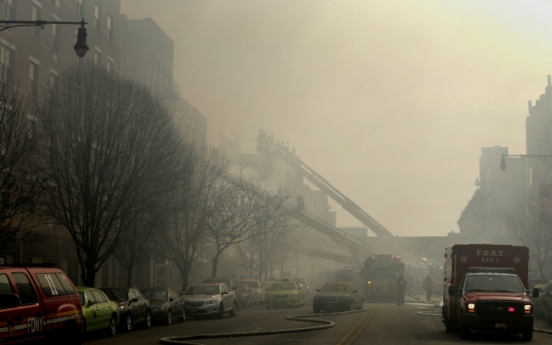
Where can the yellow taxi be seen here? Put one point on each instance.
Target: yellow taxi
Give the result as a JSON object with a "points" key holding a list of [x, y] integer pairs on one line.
{"points": [[285, 293]]}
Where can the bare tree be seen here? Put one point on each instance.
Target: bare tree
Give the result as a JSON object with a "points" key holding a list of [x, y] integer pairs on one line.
{"points": [[19, 190], [244, 211], [200, 170], [247, 256], [110, 148], [138, 243], [524, 223]]}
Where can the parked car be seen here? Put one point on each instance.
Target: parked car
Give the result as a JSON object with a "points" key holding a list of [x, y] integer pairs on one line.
{"points": [[258, 290], [334, 296], [133, 306], [232, 283], [210, 299], [548, 311], [245, 296], [284, 293], [31, 298], [166, 305], [544, 297], [100, 313]]}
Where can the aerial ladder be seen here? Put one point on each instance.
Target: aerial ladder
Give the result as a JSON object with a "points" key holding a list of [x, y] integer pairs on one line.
{"points": [[267, 145], [358, 249], [264, 144]]}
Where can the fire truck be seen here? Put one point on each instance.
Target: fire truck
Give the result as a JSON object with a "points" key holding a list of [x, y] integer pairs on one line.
{"points": [[485, 289], [380, 273]]}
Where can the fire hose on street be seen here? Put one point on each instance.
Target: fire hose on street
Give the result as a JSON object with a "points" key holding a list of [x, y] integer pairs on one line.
{"points": [[184, 339]]}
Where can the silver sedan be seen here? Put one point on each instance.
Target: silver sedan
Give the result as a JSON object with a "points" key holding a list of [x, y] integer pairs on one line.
{"points": [[210, 299]]}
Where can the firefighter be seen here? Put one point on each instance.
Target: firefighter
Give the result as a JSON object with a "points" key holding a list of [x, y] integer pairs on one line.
{"points": [[428, 286], [401, 289]]}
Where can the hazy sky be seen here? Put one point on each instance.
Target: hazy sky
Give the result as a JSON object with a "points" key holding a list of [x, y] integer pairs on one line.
{"points": [[391, 101]]}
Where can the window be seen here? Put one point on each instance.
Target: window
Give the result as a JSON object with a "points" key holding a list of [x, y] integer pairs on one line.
{"points": [[9, 9], [98, 296], [50, 284], [97, 56], [109, 28], [53, 79], [5, 286], [24, 287], [35, 15], [6, 63], [33, 79], [55, 37], [97, 14], [110, 64], [79, 8]]}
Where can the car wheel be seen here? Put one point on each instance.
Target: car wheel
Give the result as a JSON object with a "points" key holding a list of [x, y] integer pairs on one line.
{"points": [[268, 306], [113, 326], [234, 310], [183, 316], [464, 331], [548, 316], [128, 322], [361, 305], [527, 334], [449, 326], [147, 323], [351, 305], [220, 311], [83, 327], [168, 320]]}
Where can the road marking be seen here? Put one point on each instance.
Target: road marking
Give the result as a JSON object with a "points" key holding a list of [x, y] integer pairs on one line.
{"points": [[356, 330]]}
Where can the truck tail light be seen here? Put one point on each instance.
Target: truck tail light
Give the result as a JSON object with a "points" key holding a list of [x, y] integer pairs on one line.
{"points": [[527, 309], [471, 307]]}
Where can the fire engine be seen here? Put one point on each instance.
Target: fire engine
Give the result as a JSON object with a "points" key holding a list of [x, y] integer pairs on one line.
{"points": [[485, 289], [380, 273]]}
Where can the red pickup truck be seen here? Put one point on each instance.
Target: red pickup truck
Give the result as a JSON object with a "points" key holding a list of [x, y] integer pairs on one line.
{"points": [[485, 289], [38, 304]]}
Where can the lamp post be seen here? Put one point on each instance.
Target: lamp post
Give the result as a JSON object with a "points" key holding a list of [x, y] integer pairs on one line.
{"points": [[544, 158], [80, 46]]}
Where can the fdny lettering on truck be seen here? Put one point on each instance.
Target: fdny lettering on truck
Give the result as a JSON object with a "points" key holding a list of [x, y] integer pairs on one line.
{"points": [[490, 255], [34, 324], [485, 252]]}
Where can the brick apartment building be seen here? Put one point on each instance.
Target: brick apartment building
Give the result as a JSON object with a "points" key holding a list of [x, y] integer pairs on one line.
{"points": [[32, 58]]}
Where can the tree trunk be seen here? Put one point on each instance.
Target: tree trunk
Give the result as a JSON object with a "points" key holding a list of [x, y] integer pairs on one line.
{"points": [[129, 275], [184, 273], [215, 265], [89, 276]]}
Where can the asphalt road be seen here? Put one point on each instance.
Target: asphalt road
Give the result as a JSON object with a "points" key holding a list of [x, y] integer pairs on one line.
{"points": [[381, 323]]}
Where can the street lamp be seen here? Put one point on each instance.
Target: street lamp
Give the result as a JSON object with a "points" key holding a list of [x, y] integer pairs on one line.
{"points": [[545, 158], [80, 47]]}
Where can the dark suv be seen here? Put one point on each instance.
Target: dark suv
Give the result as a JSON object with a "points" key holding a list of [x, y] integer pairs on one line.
{"points": [[38, 303], [133, 306]]}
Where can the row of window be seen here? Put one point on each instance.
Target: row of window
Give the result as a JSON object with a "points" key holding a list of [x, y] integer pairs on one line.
{"points": [[7, 54], [9, 12]]}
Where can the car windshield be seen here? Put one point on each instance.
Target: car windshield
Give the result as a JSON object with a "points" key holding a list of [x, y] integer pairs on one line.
{"points": [[201, 290], [334, 288], [156, 295], [282, 286], [227, 282], [116, 295], [494, 283]]}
